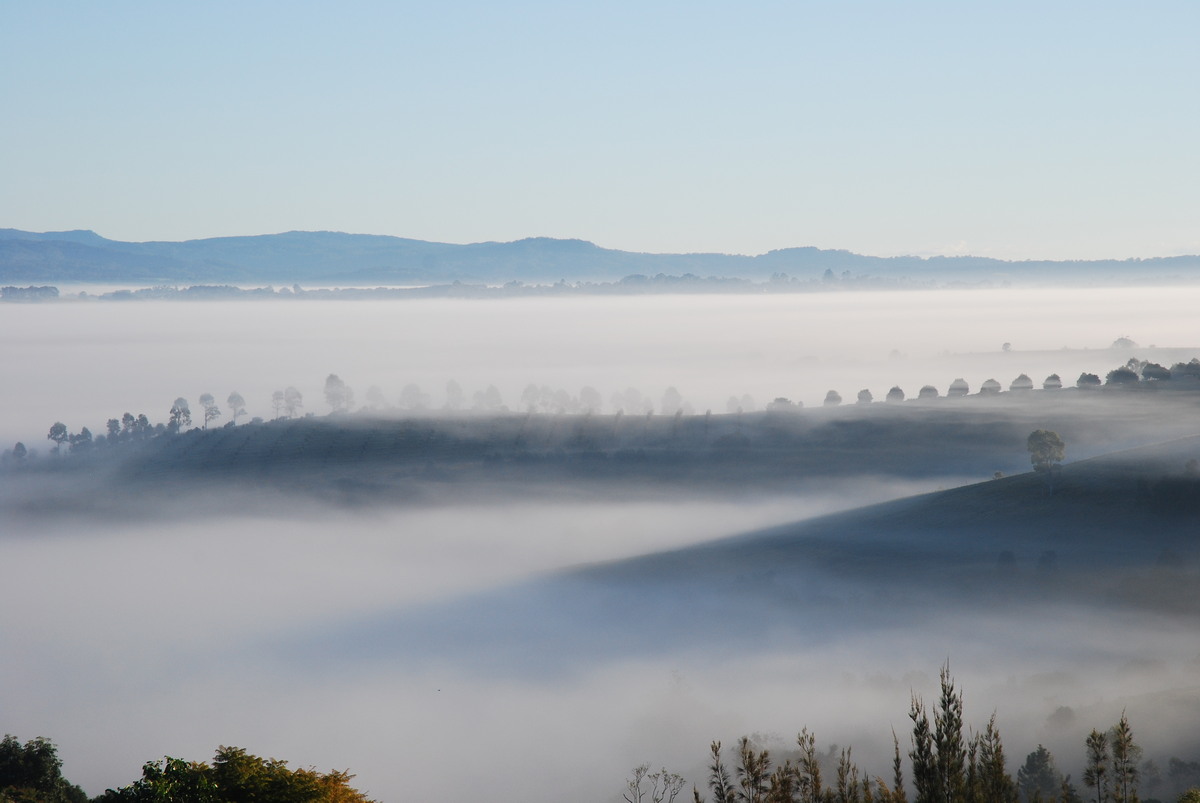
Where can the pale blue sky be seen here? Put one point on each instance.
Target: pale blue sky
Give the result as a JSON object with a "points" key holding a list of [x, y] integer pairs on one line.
{"points": [[1015, 129]]}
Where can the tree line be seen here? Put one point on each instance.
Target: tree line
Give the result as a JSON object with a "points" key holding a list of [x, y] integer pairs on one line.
{"points": [[32, 773], [947, 763], [288, 403]]}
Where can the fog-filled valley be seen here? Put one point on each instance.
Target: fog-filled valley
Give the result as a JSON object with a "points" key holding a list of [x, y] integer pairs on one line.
{"points": [[522, 546]]}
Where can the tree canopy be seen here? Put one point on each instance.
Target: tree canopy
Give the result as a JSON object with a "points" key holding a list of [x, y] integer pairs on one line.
{"points": [[1046, 449]]}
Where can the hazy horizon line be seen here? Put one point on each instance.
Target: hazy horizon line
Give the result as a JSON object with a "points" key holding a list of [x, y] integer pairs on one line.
{"points": [[897, 254]]}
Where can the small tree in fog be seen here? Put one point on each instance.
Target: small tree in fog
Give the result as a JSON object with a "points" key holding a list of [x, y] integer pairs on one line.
{"points": [[1046, 451], [530, 397], [1153, 372], [487, 401], [652, 787], [1186, 370], [411, 397], [277, 403], [375, 398], [179, 416], [753, 772], [590, 400], [1021, 383], [927, 392], [864, 397], [719, 780], [1087, 381], [1052, 382], [832, 399], [237, 406], [1126, 755], [1095, 773], [81, 441], [672, 401], [338, 396], [211, 410], [58, 433], [292, 401], [989, 387], [958, 387], [1121, 376], [1039, 777], [895, 394], [987, 773]]}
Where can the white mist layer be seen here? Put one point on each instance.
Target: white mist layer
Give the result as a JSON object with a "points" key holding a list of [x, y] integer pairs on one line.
{"points": [[82, 363]]}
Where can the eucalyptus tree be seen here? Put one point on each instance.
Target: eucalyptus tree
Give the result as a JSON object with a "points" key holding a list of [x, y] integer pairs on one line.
{"points": [[179, 416], [237, 406], [211, 410]]}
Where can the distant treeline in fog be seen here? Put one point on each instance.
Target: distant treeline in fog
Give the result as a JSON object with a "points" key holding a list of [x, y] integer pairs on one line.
{"points": [[634, 284], [1133, 376], [948, 762]]}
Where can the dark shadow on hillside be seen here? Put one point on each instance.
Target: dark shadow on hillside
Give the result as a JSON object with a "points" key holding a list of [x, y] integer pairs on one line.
{"points": [[1118, 535], [360, 461]]}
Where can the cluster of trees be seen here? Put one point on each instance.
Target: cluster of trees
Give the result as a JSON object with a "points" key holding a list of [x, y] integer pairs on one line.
{"points": [[1132, 373], [129, 428], [947, 763], [32, 773]]}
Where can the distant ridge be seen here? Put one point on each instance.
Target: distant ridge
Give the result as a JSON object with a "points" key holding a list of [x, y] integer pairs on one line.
{"points": [[343, 259]]}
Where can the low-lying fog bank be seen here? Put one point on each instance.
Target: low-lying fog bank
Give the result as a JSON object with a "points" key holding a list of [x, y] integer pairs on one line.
{"points": [[409, 644], [82, 364]]}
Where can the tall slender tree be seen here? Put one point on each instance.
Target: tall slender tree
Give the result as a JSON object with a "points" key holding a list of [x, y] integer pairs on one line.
{"points": [[1126, 755], [810, 790], [898, 793], [1095, 774], [948, 738], [719, 780], [921, 756], [993, 782], [753, 772]]}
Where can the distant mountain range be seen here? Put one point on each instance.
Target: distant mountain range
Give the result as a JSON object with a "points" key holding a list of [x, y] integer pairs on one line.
{"points": [[337, 258]]}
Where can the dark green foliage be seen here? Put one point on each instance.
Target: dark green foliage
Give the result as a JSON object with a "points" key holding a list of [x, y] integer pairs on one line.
{"points": [[1039, 776], [898, 794], [809, 771], [1126, 755], [1067, 793], [1121, 376], [32, 773], [718, 778], [234, 776], [58, 434], [924, 768], [1095, 773], [1046, 449], [1154, 371], [753, 772], [847, 790], [991, 782]]}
